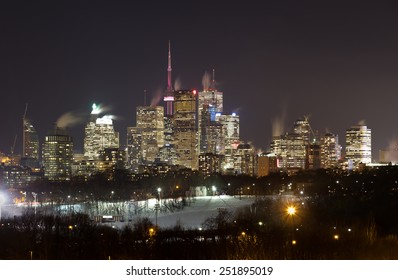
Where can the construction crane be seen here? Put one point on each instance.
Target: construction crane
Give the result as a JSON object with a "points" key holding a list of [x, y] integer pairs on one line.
{"points": [[23, 130], [13, 145], [314, 135]]}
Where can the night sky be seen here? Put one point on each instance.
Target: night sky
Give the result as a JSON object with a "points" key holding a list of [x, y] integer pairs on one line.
{"points": [[275, 61]]}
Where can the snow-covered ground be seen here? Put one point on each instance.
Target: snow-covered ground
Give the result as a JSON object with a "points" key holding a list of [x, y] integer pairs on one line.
{"points": [[167, 213], [194, 215]]}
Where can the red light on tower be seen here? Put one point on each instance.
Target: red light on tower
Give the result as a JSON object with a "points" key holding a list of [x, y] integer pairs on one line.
{"points": [[194, 91]]}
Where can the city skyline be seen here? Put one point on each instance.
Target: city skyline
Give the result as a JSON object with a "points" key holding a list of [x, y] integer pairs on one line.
{"points": [[273, 65]]}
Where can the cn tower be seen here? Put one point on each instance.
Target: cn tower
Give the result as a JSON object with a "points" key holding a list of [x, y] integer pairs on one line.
{"points": [[169, 94]]}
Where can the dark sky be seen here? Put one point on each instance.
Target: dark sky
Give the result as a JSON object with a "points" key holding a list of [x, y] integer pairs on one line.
{"points": [[335, 61]]}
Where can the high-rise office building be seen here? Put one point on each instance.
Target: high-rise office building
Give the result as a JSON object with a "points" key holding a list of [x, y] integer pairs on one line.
{"points": [[210, 103], [210, 134], [358, 145], [146, 139], [57, 155], [184, 128], [134, 150], [245, 161], [293, 148], [266, 164], [302, 152], [99, 134], [111, 159], [230, 137], [303, 129], [313, 155], [290, 148], [167, 153], [330, 151], [209, 164], [150, 121], [30, 140]]}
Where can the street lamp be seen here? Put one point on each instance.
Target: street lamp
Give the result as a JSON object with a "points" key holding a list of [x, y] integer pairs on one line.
{"points": [[291, 210], [213, 188], [35, 202], [159, 191], [157, 206]]}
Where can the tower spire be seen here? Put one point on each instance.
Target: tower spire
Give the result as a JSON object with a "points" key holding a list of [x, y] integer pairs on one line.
{"points": [[214, 80], [169, 87]]}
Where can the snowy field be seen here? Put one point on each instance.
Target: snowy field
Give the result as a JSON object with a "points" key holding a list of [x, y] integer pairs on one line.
{"points": [[167, 213], [194, 215]]}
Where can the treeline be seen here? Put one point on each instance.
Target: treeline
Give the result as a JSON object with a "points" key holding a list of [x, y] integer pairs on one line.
{"points": [[315, 183]]}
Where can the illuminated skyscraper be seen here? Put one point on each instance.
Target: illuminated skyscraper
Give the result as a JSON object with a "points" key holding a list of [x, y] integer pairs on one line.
{"points": [[313, 155], [184, 128], [292, 149], [330, 151], [146, 139], [150, 121], [245, 160], [99, 134], [358, 145], [303, 129], [30, 140], [209, 164], [211, 134], [167, 153], [134, 150], [230, 137], [210, 103], [58, 156]]}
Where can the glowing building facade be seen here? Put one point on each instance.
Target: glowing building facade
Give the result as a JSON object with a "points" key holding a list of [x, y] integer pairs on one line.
{"points": [[134, 150], [167, 153], [230, 137], [358, 146], [291, 151], [210, 134], [245, 160], [99, 134], [150, 120], [209, 164], [57, 155], [293, 148], [184, 128], [30, 140], [146, 139], [210, 103], [330, 151]]}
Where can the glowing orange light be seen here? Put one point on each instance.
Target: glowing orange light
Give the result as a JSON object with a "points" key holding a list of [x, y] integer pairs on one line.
{"points": [[291, 210]]}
